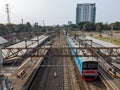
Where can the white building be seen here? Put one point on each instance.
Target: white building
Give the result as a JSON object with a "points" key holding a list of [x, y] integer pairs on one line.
{"points": [[85, 12]]}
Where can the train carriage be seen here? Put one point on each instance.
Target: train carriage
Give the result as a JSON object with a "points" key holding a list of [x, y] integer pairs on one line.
{"points": [[88, 66], [109, 64]]}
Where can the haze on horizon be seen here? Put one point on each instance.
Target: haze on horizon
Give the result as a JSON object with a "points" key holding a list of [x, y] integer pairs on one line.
{"points": [[55, 12]]}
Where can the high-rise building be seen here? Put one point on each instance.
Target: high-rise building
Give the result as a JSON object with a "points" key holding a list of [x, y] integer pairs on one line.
{"points": [[85, 12], [69, 22]]}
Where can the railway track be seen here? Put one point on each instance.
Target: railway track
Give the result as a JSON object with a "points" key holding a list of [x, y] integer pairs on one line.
{"points": [[45, 79], [67, 74], [68, 84], [96, 85]]}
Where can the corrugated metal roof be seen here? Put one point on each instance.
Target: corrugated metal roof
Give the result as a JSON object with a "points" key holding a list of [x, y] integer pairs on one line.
{"points": [[2, 40], [103, 43], [22, 45]]}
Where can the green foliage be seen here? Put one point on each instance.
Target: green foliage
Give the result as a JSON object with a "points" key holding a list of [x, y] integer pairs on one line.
{"points": [[81, 24], [74, 26], [106, 27], [116, 25], [20, 28], [99, 27], [2, 27], [28, 26], [89, 26], [10, 28]]}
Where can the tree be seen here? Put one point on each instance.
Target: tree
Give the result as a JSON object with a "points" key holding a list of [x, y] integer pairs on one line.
{"points": [[28, 26], [88, 26], [74, 26], [106, 27], [2, 29], [81, 24], [99, 27], [21, 28], [116, 25], [10, 28]]}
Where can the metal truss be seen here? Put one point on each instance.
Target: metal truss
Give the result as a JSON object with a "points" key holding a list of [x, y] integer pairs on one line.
{"points": [[61, 51]]}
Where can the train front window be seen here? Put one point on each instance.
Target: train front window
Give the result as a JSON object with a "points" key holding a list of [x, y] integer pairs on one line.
{"points": [[90, 65], [84, 65]]}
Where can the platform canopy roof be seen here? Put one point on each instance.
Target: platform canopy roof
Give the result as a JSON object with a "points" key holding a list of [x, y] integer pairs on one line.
{"points": [[2, 40]]}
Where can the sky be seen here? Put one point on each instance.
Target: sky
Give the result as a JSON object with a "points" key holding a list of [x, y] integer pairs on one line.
{"points": [[55, 12]]}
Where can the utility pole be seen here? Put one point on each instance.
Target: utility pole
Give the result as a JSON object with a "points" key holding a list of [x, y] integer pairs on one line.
{"points": [[22, 21], [8, 16]]}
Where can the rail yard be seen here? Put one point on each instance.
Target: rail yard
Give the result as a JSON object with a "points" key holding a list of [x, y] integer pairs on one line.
{"points": [[61, 62]]}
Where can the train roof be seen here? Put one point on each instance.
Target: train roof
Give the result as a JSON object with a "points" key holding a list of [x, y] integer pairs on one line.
{"points": [[30, 44], [86, 59], [74, 43], [98, 43], [22, 44]]}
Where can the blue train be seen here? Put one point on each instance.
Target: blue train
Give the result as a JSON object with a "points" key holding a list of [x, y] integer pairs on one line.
{"points": [[88, 66]]}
